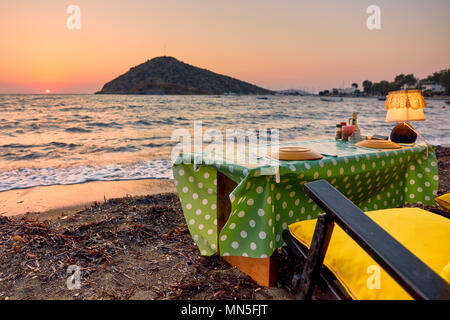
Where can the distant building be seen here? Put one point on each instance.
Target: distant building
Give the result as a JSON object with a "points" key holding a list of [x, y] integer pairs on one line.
{"points": [[409, 87], [347, 91], [433, 87], [294, 92]]}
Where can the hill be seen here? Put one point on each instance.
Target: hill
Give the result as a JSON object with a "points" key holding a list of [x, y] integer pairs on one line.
{"points": [[167, 75]]}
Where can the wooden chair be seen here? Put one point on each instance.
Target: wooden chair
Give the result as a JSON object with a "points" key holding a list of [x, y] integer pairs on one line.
{"points": [[414, 276]]}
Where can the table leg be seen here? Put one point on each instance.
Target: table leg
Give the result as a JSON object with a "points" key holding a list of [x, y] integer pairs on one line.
{"points": [[262, 270]]}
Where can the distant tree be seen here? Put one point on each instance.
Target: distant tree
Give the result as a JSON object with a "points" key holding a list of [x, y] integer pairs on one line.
{"points": [[393, 86], [442, 77], [410, 80], [434, 78], [400, 80], [444, 80], [382, 88], [375, 88], [367, 85], [386, 86]]}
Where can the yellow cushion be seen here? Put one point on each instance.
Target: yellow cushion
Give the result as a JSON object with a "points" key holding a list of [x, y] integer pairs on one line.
{"points": [[444, 201], [445, 273], [423, 233]]}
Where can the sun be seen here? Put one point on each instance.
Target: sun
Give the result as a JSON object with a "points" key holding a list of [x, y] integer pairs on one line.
{"points": [[48, 91]]}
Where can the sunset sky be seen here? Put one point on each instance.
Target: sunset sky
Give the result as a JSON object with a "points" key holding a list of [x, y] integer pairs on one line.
{"points": [[277, 44]]}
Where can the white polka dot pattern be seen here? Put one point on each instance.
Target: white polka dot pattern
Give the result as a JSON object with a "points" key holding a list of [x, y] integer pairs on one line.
{"points": [[262, 208]]}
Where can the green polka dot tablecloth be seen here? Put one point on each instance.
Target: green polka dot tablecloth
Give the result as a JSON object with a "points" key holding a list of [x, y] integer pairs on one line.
{"points": [[264, 203]]}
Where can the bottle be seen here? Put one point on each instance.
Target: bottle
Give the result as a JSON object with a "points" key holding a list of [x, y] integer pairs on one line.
{"points": [[338, 131], [344, 135], [356, 132], [350, 131], [354, 118]]}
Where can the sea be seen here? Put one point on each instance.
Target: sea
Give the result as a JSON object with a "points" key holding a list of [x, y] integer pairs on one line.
{"points": [[70, 139]]}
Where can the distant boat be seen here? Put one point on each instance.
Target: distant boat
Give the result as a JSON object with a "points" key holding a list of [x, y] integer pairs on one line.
{"points": [[382, 99], [262, 98], [331, 99], [447, 102]]}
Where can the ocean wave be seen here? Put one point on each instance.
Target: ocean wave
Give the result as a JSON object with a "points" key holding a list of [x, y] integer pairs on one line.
{"points": [[51, 144], [105, 124], [33, 177], [158, 145], [78, 130], [109, 149], [75, 130], [143, 122]]}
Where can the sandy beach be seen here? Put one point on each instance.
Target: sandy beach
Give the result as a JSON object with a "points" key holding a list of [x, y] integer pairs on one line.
{"points": [[132, 247], [51, 200]]}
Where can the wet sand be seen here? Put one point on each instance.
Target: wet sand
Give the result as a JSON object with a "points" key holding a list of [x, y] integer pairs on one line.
{"points": [[52, 200]]}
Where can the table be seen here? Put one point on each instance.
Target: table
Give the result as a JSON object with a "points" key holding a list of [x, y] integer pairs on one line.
{"points": [[238, 210]]}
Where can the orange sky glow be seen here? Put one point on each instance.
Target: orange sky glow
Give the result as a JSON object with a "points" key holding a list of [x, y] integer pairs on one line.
{"points": [[275, 44]]}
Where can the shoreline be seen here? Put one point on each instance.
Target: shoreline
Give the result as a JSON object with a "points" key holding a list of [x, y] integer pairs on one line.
{"points": [[67, 199], [70, 198]]}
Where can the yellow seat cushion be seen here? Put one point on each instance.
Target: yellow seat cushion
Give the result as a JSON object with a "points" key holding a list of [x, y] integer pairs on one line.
{"points": [[423, 233], [445, 273], [444, 201]]}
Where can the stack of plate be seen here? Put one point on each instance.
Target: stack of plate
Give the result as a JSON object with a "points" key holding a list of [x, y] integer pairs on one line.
{"points": [[377, 144], [296, 153]]}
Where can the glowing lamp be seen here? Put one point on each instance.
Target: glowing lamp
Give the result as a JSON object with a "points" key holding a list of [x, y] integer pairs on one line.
{"points": [[403, 106]]}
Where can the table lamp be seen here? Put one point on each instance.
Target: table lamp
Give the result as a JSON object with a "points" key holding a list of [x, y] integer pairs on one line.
{"points": [[403, 106]]}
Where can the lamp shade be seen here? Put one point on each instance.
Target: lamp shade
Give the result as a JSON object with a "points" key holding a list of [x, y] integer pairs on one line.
{"points": [[405, 105]]}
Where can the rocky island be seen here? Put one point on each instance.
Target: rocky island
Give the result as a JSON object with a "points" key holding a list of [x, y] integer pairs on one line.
{"points": [[167, 75]]}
